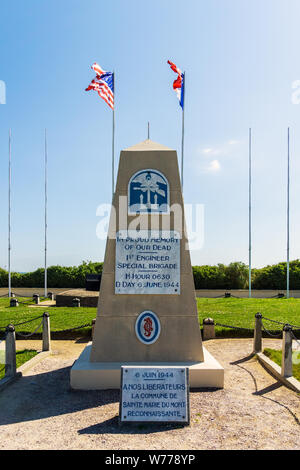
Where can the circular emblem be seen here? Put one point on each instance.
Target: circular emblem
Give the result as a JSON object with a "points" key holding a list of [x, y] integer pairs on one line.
{"points": [[147, 327]]}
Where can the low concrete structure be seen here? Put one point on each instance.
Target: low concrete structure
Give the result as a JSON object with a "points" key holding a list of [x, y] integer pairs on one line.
{"points": [[87, 375], [87, 298], [276, 371]]}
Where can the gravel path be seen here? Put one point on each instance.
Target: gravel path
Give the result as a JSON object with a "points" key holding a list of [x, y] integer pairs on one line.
{"points": [[39, 411]]}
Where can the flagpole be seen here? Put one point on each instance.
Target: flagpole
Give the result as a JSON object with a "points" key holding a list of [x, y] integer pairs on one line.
{"points": [[46, 201], [250, 212], [113, 141], [182, 141], [288, 220], [9, 214]]}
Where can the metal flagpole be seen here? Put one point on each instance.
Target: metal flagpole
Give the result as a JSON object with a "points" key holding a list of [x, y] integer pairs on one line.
{"points": [[182, 142], [288, 221], [148, 130], [9, 213], [46, 201], [250, 212], [113, 142]]}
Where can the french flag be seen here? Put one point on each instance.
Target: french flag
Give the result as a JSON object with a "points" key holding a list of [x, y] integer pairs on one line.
{"points": [[178, 84]]}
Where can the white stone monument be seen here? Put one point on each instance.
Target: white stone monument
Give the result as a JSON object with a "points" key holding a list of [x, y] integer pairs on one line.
{"points": [[147, 311]]}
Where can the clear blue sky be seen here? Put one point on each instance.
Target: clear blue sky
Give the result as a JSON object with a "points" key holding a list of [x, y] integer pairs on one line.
{"points": [[240, 57]]}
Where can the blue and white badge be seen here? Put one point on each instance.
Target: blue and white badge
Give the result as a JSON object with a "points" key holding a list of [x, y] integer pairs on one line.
{"points": [[147, 327], [148, 191]]}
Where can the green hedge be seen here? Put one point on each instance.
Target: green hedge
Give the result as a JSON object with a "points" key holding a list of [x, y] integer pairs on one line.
{"points": [[274, 277], [233, 276], [58, 276]]}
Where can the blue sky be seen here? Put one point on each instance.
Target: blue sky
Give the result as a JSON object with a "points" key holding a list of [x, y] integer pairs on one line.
{"points": [[241, 58]]}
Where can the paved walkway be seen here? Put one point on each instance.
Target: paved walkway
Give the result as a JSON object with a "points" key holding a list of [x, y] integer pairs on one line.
{"points": [[254, 411]]}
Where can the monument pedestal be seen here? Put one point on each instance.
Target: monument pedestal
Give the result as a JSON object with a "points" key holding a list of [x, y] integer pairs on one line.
{"points": [[86, 375]]}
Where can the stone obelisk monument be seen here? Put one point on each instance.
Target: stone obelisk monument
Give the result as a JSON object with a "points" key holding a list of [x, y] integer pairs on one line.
{"points": [[147, 312]]}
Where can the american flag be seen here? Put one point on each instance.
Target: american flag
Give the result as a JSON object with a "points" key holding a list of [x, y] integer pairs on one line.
{"points": [[178, 84], [103, 83]]}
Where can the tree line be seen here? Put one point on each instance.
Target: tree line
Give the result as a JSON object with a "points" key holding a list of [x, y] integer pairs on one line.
{"points": [[232, 276]]}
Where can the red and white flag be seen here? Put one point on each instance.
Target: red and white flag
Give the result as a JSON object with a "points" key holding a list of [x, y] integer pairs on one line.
{"points": [[98, 69], [178, 84], [103, 84]]}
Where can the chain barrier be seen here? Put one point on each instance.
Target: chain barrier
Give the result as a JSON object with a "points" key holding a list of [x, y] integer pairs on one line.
{"points": [[72, 329], [25, 303], [234, 327], [30, 334], [31, 296], [222, 296], [277, 296], [276, 335], [295, 339], [31, 301], [28, 321], [24, 296], [280, 322], [37, 318], [3, 339], [24, 322]]}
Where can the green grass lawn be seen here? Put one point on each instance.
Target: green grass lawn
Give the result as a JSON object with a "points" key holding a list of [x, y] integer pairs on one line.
{"points": [[21, 358], [236, 312], [61, 318], [276, 356], [241, 312]]}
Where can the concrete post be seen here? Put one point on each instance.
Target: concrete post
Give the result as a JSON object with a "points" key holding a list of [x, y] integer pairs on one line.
{"points": [[13, 302], [36, 298], [287, 360], [257, 343], [10, 352], [208, 329], [46, 332], [93, 327], [76, 302]]}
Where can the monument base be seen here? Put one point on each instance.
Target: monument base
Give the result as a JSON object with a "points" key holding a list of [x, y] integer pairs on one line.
{"points": [[86, 375]]}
